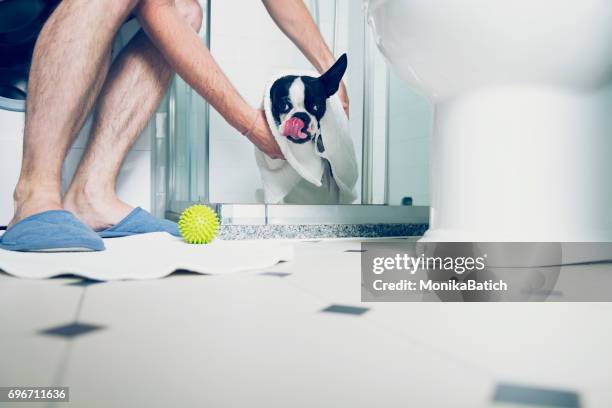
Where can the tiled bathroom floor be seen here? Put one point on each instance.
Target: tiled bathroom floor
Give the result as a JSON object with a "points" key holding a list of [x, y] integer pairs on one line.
{"points": [[294, 335]]}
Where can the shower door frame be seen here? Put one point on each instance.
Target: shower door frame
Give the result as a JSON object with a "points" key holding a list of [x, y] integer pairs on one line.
{"points": [[287, 214]]}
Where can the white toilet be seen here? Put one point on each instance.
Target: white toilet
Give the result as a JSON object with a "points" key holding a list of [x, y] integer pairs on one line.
{"points": [[522, 144]]}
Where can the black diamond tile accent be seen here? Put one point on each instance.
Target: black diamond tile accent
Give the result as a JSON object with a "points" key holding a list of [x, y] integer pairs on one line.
{"points": [[356, 250], [536, 397], [352, 310], [277, 274], [71, 330], [85, 282]]}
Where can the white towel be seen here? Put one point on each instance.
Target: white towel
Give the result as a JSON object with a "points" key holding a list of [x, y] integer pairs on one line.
{"points": [[148, 256], [307, 176]]}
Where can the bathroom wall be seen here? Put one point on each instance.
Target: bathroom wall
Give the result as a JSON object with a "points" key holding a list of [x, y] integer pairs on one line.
{"points": [[400, 124], [410, 124]]}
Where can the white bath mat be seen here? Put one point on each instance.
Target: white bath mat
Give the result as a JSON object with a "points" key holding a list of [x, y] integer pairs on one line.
{"points": [[148, 256]]}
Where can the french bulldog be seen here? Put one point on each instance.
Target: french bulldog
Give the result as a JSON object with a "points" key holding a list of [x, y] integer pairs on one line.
{"points": [[299, 102]]}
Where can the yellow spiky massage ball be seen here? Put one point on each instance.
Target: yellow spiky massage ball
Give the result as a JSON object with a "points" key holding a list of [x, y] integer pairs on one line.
{"points": [[198, 224]]}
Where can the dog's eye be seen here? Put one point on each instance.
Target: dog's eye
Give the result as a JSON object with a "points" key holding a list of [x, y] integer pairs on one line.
{"points": [[286, 107], [315, 108]]}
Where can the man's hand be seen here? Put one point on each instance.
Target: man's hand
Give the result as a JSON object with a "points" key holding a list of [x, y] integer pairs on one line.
{"points": [[261, 137], [344, 98]]}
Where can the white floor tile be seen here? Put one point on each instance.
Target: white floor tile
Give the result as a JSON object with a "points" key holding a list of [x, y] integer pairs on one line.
{"points": [[548, 344], [28, 358], [31, 360], [249, 340], [27, 306]]}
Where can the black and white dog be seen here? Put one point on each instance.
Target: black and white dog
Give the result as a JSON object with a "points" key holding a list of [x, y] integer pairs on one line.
{"points": [[299, 102]]}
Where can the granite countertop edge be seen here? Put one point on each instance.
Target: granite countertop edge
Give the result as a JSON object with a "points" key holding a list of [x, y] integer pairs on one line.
{"points": [[311, 231]]}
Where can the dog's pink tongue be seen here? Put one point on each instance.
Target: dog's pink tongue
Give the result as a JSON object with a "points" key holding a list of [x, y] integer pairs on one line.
{"points": [[293, 127]]}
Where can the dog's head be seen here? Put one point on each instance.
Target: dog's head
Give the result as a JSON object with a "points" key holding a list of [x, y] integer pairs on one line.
{"points": [[299, 102]]}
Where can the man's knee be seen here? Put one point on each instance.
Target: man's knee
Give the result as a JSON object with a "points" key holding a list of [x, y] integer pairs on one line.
{"points": [[191, 12]]}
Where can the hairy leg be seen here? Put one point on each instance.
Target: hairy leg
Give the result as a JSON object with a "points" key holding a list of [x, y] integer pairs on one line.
{"points": [[69, 65], [134, 88]]}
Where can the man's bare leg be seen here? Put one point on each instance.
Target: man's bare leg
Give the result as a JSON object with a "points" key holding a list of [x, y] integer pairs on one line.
{"points": [[134, 88], [70, 63]]}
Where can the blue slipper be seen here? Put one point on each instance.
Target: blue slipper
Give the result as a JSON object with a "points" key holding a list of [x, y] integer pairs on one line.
{"points": [[139, 222], [51, 231]]}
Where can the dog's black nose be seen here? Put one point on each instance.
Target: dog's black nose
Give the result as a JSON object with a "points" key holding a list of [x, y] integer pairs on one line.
{"points": [[303, 116]]}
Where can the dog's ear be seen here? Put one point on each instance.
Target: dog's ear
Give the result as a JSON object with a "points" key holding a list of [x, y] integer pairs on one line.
{"points": [[331, 79]]}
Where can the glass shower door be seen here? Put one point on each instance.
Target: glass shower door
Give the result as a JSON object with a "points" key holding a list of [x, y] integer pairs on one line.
{"points": [[390, 124], [180, 165]]}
